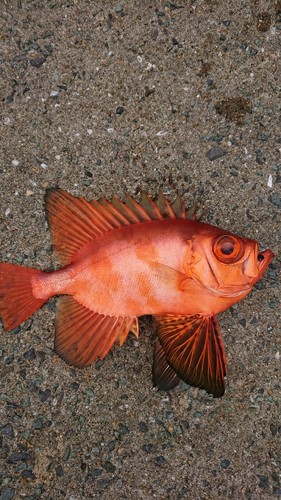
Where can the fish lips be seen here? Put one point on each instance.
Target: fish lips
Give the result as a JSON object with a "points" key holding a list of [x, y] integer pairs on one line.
{"points": [[263, 263]]}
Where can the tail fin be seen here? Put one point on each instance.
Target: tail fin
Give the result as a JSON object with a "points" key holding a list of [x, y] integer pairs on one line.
{"points": [[17, 301]]}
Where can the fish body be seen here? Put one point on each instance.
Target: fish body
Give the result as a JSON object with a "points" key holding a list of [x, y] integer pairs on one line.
{"points": [[141, 269], [125, 261]]}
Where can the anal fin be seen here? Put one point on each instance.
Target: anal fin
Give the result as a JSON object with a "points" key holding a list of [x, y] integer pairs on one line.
{"points": [[83, 336]]}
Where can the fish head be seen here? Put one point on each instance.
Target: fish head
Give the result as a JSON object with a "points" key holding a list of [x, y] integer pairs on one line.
{"points": [[226, 264]]}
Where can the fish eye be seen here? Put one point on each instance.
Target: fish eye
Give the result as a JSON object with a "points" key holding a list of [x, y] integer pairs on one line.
{"points": [[227, 249]]}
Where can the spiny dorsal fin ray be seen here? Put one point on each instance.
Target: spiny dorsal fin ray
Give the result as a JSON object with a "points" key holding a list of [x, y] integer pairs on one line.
{"points": [[137, 208], [179, 208], [150, 207], [165, 207], [125, 210]]}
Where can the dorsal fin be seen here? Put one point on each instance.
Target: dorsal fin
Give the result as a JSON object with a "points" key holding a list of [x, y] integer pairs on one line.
{"points": [[74, 222], [165, 207], [179, 208], [150, 207], [119, 217], [125, 210], [140, 212]]}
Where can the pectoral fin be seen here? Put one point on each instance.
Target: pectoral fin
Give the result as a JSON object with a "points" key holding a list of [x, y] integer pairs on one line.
{"points": [[163, 375], [194, 349]]}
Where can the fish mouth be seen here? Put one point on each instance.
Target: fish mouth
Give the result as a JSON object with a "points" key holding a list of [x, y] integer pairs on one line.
{"points": [[264, 259]]}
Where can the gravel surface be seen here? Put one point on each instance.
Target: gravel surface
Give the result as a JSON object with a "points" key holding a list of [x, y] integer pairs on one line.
{"points": [[104, 98]]}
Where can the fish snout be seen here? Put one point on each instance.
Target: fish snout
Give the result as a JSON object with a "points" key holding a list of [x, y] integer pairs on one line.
{"points": [[268, 255], [256, 263], [264, 258]]}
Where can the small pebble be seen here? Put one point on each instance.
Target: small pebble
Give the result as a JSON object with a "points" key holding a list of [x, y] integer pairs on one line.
{"points": [[89, 393], [123, 429], [264, 482], [7, 493], [272, 303], [148, 448], [109, 467], [28, 474], [47, 34], [215, 153], [252, 51], [263, 137], [66, 454], [18, 457], [9, 359], [75, 386], [119, 110], [111, 445], [37, 62], [160, 460], [44, 395], [103, 483], [95, 472], [182, 493], [40, 423], [275, 199], [30, 354], [269, 182], [225, 463], [8, 431], [59, 471], [15, 163], [143, 427], [273, 429]]}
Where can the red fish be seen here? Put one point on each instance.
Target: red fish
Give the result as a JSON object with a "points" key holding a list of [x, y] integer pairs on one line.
{"points": [[121, 261]]}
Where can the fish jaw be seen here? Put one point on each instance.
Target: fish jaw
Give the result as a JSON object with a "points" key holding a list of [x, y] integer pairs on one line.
{"points": [[267, 255]]}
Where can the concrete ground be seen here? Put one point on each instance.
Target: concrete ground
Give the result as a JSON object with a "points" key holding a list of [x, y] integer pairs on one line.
{"points": [[103, 98]]}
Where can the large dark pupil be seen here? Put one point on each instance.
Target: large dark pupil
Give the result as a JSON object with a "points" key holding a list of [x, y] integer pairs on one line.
{"points": [[227, 248]]}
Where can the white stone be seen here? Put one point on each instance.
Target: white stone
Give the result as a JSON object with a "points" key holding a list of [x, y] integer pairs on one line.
{"points": [[269, 182]]}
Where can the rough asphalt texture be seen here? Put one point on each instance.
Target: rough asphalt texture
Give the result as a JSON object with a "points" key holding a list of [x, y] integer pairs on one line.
{"points": [[105, 98]]}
